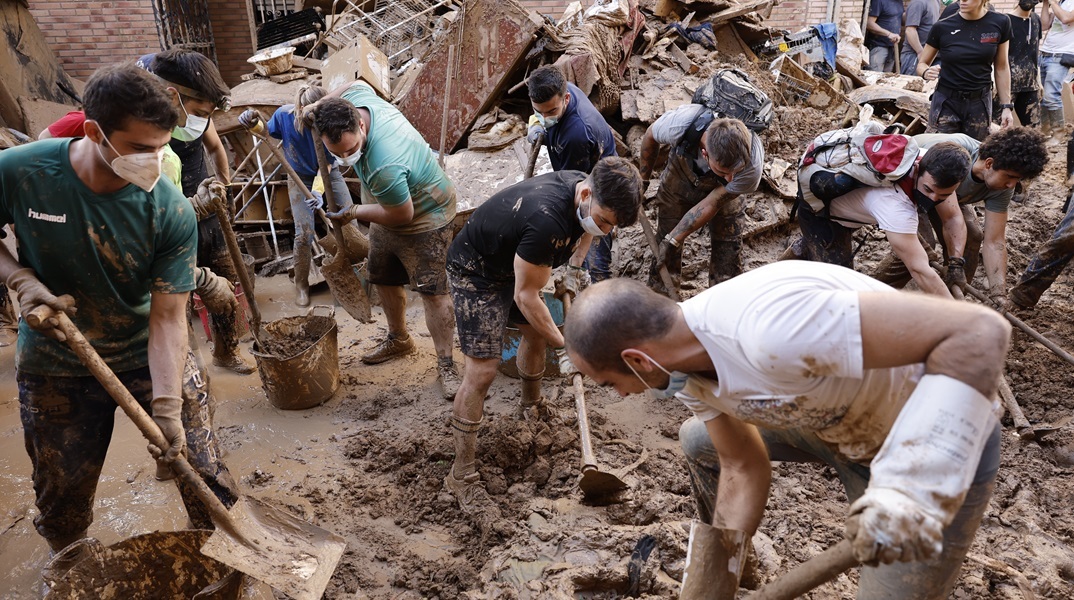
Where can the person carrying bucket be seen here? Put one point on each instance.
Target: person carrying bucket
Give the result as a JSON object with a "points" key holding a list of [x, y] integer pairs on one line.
{"points": [[498, 265], [409, 203], [77, 206]]}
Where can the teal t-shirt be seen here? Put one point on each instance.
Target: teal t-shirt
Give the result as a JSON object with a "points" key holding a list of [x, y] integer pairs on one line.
{"points": [[108, 251], [398, 164]]}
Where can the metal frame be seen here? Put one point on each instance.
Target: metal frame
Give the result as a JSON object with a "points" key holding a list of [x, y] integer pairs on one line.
{"points": [[393, 26], [185, 24]]}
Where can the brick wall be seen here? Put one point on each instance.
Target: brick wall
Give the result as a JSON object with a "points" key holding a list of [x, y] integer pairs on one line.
{"points": [[84, 34], [796, 14], [234, 37]]}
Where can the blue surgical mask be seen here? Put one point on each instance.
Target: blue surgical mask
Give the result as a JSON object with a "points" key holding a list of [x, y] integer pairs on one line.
{"points": [[676, 383], [588, 223], [195, 127]]}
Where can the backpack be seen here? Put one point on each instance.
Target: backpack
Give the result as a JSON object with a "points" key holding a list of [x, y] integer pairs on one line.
{"points": [[729, 93], [862, 152]]}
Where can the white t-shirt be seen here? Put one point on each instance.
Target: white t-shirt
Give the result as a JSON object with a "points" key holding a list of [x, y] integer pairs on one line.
{"points": [[1060, 38], [886, 207], [785, 340]]}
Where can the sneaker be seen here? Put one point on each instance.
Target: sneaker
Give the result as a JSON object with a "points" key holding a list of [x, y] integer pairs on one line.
{"points": [[233, 362], [469, 492], [1020, 299], [8, 336], [448, 376], [391, 347]]}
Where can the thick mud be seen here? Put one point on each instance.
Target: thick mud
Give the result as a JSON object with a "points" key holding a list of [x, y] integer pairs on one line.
{"points": [[369, 463]]}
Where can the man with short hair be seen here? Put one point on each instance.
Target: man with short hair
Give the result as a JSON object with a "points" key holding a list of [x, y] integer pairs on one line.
{"points": [[882, 34], [409, 203], [920, 16], [99, 232], [1005, 158], [809, 362], [827, 234], [577, 136], [498, 265], [711, 163]]}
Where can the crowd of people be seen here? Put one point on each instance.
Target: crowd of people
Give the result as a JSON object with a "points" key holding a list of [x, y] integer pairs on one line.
{"points": [[804, 359]]}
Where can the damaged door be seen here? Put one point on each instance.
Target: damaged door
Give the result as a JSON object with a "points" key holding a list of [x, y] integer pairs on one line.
{"points": [[185, 24]]}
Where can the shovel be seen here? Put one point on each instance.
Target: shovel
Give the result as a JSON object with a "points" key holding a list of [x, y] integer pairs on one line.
{"points": [[595, 484], [820, 569], [265, 543], [342, 280], [240, 268], [665, 276]]}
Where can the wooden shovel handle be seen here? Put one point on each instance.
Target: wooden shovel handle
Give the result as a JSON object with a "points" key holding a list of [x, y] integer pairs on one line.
{"points": [[650, 237], [145, 423], [589, 460], [820, 569], [240, 268]]}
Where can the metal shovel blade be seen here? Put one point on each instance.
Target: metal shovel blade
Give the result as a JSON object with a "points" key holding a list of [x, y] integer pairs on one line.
{"points": [[278, 548], [346, 288], [599, 484]]}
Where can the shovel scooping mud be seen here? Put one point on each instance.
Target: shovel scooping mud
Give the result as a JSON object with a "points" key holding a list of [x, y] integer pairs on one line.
{"points": [[337, 271], [254, 538]]}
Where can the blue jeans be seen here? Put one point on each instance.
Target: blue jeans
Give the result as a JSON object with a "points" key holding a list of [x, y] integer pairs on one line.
{"points": [[599, 260], [1052, 75], [932, 579]]}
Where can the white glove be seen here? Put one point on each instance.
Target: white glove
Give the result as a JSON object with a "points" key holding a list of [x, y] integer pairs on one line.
{"points": [[922, 473], [566, 367]]}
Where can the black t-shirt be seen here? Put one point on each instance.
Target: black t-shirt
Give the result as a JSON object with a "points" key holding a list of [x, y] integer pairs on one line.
{"points": [[968, 49], [534, 219], [1023, 52], [192, 155]]}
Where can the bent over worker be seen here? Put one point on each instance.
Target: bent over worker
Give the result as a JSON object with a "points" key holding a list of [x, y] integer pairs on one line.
{"points": [[498, 265], [712, 162], [810, 362]]}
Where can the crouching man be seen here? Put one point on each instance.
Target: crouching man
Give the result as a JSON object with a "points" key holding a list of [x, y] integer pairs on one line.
{"points": [[497, 266], [815, 362]]}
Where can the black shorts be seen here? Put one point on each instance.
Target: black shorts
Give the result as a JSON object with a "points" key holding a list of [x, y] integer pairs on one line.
{"points": [[417, 259], [481, 315]]}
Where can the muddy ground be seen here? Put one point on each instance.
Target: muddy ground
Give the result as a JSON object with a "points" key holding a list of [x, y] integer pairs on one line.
{"points": [[369, 464]]}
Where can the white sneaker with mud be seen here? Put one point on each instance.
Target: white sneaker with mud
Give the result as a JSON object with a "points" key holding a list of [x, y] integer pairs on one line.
{"points": [[448, 376], [391, 347]]}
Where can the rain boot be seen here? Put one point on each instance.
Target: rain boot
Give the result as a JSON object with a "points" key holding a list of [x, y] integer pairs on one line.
{"points": [[302, 257], [531, 392]]}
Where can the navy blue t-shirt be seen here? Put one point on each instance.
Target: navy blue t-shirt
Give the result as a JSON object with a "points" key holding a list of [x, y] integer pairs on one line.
{"points": [[581, 137], [888, 15], [298, 148]]}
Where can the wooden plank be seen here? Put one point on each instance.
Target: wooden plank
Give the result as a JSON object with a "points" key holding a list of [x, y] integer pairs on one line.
{"points": [[684, 61], [844, 68], [494, 40], [739, 11], [312, 64]]}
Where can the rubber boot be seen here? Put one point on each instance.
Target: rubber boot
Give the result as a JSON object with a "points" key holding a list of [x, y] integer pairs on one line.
{"points": [[60, 562], [302, 258], [531, 392], [1056, 127]]}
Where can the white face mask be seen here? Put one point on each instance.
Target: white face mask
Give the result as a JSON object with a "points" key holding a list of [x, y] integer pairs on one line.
{"points": [[142, 169], [194, 128], [588, 223], [348, 161], [546, 122], [676, 383]]}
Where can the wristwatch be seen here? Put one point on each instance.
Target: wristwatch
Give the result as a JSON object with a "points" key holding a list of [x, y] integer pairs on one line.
{"points": [[1010, 106]]}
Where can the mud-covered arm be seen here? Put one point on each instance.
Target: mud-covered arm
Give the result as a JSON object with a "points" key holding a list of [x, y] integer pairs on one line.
{"points": [[650, 149], [994, 252], [745, 474], [954, 226], [529, 280], [167, 342], [913, 255], [581, 251], [700, 214]]}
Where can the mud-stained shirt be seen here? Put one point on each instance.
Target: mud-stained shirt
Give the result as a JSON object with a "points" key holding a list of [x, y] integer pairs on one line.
{"points": [[398, 166], [1024, 52], [970, 190], [108, 251], [785, 340], [534, 219]]}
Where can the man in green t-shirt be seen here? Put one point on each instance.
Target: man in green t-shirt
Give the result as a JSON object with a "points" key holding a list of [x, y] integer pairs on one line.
{"points": [[99, 232], [409, 203]]}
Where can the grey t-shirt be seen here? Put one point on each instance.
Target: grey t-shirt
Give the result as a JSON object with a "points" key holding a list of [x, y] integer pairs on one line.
{"points": [[671, 126], [970, 191], [921, 14]]}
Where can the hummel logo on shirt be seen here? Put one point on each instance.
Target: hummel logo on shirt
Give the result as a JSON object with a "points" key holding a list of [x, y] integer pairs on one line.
{"points": [[33, 214]]}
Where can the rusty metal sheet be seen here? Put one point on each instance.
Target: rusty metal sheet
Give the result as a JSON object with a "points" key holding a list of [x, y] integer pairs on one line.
{"points": [[490, 41]]}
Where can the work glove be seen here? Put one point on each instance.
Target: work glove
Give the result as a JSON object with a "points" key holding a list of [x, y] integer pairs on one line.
{"points": [[202, 200], [168, 415], [566, 367], [32, 294], [316, 201], [251, 119], [920, 477], [664, 253], [343, 216], [886, 526], [216, 292], [534, 133], [956, 272], [575, 280]]}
